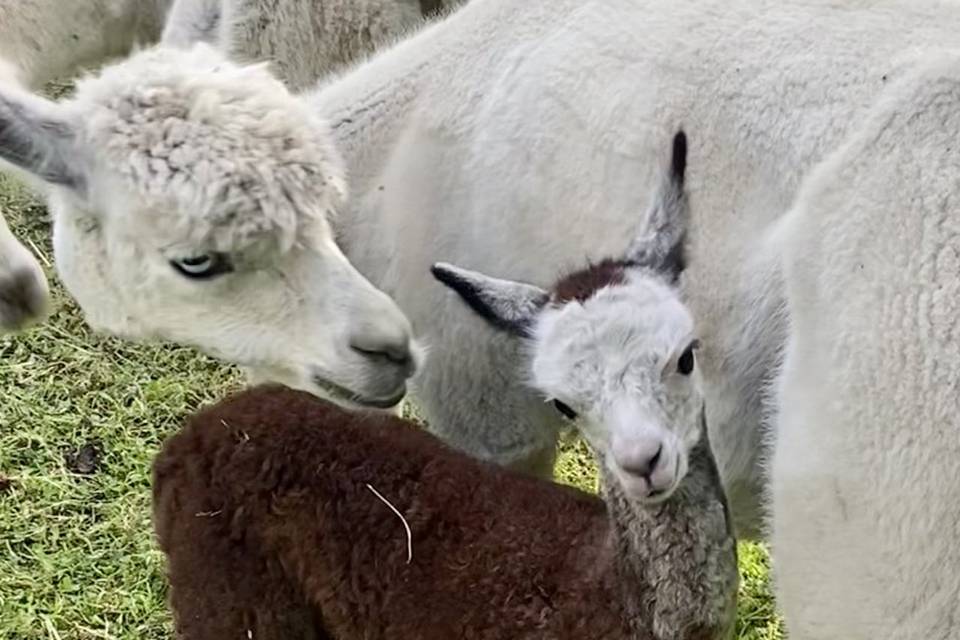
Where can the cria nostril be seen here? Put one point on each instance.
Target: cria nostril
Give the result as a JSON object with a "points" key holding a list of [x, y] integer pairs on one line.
{"points": [[642, 465], [654, 460]]}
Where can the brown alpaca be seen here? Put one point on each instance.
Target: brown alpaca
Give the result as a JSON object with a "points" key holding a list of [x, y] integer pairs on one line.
{"points": [[275, 509]]}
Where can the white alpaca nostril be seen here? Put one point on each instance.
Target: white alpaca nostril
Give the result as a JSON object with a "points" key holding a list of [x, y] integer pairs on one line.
{"points": [[397, 352], [639, 457]]}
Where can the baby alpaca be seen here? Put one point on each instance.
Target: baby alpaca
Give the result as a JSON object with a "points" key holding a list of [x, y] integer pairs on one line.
{"points": [[280, 513]]}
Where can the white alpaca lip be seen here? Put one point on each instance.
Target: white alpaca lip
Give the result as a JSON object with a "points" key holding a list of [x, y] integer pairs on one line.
{"points": [[345, 395], [639, 487]]}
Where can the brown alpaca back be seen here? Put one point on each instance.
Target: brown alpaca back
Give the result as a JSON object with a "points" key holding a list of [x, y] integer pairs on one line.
{"points": [[262, 506]]}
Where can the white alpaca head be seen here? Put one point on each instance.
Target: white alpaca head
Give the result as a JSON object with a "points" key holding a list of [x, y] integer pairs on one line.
{"points": [[613, 346], [191, 200]]}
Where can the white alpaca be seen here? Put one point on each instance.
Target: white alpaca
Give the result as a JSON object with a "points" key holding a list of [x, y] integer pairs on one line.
{"points": [[48, 39], [305, 40], [193, 180], [491, 554], [506, 138], [866, 496], [514, 126]]}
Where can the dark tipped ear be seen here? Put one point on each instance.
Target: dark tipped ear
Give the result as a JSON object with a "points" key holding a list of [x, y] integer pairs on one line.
{"points": [[660, 244], [35, 138], [506, 305]]}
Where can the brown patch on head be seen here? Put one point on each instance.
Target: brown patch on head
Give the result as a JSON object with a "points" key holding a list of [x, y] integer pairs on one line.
{"points": [[581, 285]]}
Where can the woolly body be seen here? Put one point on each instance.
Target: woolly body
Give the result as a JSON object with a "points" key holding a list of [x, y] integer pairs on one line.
{"points": [[866, 502], [50, 39], [304, 40], [272, 483], [509, 138]]}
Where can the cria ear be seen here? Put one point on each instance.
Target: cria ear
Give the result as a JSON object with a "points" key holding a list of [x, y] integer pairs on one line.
{"points": [[36, 138], [660, 244], [507, 305]]}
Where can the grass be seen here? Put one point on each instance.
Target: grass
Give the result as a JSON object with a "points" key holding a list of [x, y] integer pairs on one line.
{"points": [[81, 417]]}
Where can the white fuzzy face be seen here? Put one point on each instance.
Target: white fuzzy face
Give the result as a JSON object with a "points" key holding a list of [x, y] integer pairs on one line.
{"points": [[190, 199], [612, 345], [297, 317], [615, 360]]}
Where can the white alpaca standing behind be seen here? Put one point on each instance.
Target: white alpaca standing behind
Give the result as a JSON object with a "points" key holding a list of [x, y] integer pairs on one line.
{"points": [[866, 488], [49, 39], [305, 40]]}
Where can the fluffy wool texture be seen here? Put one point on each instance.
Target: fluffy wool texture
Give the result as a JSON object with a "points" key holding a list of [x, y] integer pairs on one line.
{"points": [[307, 39], [866, 503], [219, 150], [49, 39], [515, 138], [489, 553], [176, 158], [264, 507], [304, 40]]}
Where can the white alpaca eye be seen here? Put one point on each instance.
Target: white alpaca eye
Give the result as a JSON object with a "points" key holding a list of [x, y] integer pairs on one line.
{"points": [[203, 266]]}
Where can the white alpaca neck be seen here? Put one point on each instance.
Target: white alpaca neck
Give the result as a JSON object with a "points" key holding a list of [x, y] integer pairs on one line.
{"points": [[367, 108]]}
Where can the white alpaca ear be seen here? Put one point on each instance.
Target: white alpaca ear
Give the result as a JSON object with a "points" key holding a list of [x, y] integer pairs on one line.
{"points": [[507, 305], [660, 244], [36, 139]]}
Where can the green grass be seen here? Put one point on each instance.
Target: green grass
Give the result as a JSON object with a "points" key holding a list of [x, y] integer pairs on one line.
{"points": [[77, 559]]}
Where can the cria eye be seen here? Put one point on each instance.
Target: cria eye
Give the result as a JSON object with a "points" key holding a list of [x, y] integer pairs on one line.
{"points": [[686, 362], [567, 412], [202, 266]]}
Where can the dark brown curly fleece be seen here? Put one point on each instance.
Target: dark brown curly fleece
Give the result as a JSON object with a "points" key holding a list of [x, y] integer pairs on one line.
{"points": [[262, 506]]}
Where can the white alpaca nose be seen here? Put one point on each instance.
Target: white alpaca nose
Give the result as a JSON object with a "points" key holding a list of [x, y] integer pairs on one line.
{"points": [[386, 347], [639, 456]]}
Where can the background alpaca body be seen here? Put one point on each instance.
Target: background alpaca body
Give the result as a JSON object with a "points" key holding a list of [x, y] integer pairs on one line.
{"points": [[865, 492], [307, 39], [516, 124], [495, 554], [50, 39]]}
